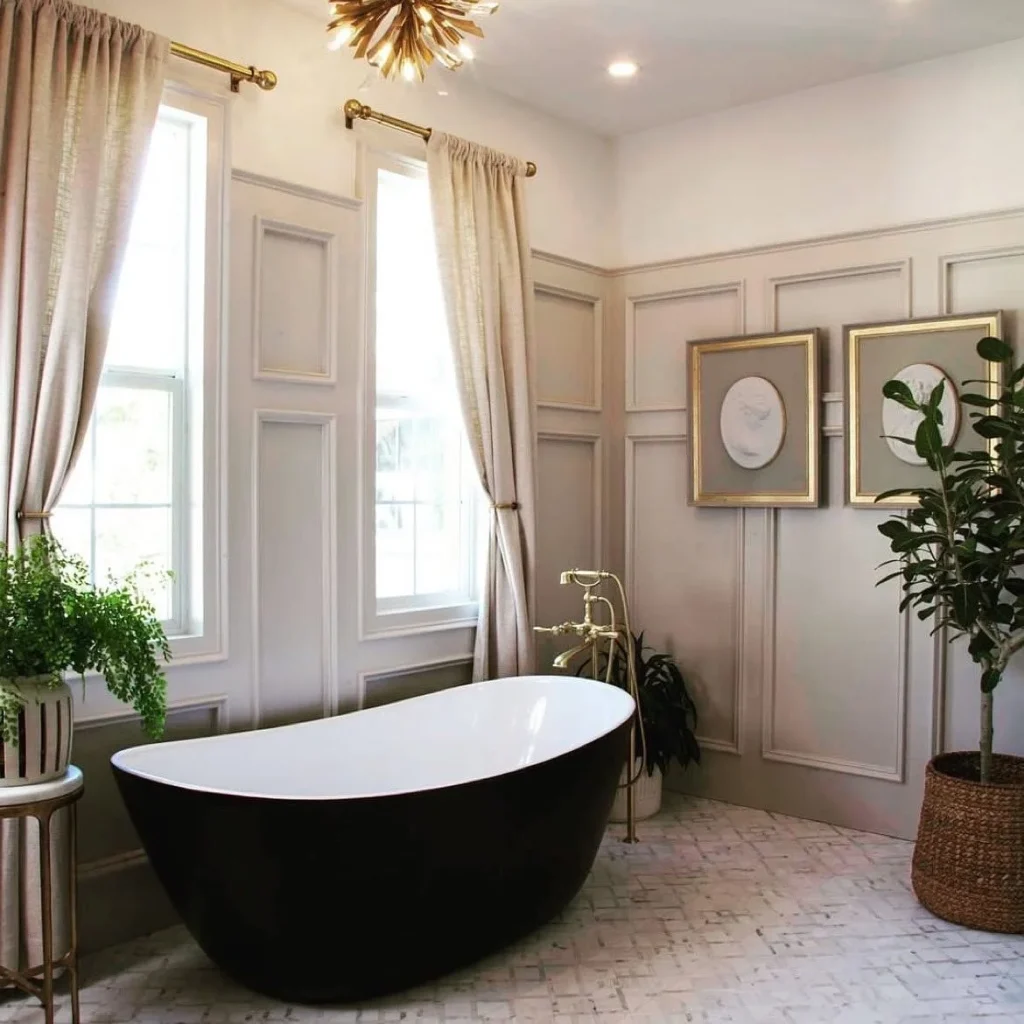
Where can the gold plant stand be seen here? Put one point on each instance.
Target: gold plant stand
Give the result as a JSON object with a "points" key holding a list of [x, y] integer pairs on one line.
{"points": [[41, 801]]}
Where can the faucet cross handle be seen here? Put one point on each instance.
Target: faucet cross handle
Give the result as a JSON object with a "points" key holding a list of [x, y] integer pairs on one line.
{"points": [[563, 627]]}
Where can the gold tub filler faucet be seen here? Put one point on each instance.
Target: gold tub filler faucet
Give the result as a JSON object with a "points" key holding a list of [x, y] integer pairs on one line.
{"points": [[619, 638]]}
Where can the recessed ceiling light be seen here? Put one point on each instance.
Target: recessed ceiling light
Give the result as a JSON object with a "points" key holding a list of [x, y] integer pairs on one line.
{"points": [[622, 69]]}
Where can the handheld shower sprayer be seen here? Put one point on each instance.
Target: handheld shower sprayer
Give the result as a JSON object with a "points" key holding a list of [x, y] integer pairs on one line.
{"points": [[620, 644], [584, 577]]}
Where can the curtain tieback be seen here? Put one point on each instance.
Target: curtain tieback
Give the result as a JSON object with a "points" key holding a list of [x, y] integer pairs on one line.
{"points": [[35, 515], [505, 506]]}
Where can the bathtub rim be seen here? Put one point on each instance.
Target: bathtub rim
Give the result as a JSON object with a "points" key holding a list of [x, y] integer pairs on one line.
{"points": [[628, 710]]}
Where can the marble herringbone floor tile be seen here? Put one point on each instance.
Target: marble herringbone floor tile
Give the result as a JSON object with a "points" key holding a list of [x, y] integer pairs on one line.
{"points": [[721, 915]]}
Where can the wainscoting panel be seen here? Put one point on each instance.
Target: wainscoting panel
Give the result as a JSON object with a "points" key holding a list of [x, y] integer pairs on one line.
{"points": [[831, 699], [294, 303], [658, 328], [569, 500], [829, 299], [685, 572], [830, 719], [982, 281], [404, 681], [294, 498], [568, 328]]}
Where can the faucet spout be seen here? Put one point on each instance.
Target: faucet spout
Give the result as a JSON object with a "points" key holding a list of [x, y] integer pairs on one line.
{"points": [[563, 659]]}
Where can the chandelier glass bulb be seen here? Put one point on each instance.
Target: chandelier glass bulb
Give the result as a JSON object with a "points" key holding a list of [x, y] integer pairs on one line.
{"points": [[404, 37]]}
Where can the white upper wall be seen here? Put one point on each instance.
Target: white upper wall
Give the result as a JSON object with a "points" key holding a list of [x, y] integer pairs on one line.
{"points": [[927, 141], [297, 132]]}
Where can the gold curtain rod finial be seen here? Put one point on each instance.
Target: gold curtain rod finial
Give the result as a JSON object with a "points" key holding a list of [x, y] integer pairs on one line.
{"points": [[266, 80], [239, 73], [354, 109]]}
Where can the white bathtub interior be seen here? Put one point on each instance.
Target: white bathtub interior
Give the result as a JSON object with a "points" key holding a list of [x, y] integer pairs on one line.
{"points": [[442, 739]]}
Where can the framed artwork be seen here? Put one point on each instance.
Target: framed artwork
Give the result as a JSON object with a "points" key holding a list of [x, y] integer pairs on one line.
{"points": [[754, 421], [920, 353]]}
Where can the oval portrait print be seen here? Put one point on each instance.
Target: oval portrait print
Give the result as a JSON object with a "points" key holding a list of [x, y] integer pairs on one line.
{"points": [[753, 422], [899, 421]]}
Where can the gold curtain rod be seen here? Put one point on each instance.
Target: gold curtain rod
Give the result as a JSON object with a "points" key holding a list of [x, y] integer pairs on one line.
{"points": [[354, 109], [266, 80]]}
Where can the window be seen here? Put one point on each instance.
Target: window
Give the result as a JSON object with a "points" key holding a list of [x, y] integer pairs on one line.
{"points": [[425, 493], [136, 493]]}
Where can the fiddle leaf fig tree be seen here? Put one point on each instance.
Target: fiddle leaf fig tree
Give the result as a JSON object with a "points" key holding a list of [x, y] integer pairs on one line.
{"points": [[960, 549]]}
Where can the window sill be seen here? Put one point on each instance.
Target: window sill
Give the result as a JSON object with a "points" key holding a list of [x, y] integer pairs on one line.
{"points": [[394, 625], [195, 649]]}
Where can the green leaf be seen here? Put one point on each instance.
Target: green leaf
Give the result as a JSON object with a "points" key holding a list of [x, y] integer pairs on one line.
{"points": [[994, 350], [902, 492], [991, 427], [990, 679], [980, 646], [928, 440], [893, 529], [981, 401], [900, 392]]}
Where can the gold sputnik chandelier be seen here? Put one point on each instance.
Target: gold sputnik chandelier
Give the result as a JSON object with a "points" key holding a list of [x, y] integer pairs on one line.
{"points": [[404, 37]]}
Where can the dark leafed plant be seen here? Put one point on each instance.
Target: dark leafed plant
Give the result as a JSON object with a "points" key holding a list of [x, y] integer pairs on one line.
{"points": [[668, 713], [52, 620], [960, 549]]}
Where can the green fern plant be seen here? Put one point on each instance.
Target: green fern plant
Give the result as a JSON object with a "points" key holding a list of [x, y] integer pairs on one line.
{"points": [[53, 621]]}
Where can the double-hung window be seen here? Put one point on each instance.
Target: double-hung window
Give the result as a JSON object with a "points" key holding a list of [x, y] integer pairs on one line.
{"points": [[141, 488], [422, 493]]}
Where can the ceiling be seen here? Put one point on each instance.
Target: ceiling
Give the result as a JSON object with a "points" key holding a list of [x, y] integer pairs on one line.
{"points": [[698, 56]]}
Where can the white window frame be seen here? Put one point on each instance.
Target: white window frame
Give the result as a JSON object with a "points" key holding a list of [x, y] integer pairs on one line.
{"points": [[174, 385], [197, 628], [401, 616]]}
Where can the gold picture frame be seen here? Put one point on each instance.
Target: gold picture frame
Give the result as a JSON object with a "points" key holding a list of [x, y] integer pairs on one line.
{"points": [[873, 354], [789, 362]]}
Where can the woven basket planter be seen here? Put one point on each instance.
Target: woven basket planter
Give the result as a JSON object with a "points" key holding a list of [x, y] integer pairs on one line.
{"points": [[969, 859]]}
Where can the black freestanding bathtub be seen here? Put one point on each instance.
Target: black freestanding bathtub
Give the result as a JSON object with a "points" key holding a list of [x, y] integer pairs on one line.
{"points": [[346, 858]]}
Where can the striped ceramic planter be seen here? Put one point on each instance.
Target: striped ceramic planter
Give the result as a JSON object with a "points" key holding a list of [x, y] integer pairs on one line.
{"points": [[43, 747]]}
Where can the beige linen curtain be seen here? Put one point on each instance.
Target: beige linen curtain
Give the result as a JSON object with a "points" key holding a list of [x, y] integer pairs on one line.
{"points": [[81, 92], [479, 211]]}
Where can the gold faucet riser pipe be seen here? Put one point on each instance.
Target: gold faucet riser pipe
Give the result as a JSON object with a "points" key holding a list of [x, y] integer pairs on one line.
{"points": [[618, 637]]}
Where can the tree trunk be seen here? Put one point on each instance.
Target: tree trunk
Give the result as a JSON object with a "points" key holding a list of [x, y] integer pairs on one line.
{"points": [[986, 737]]}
